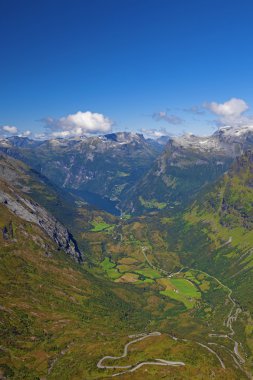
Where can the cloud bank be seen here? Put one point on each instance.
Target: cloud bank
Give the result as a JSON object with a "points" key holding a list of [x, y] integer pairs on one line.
{"points": [[230, 113], [78, 124], [233, 107], [155, 133], [10, 129], [25, 134]]}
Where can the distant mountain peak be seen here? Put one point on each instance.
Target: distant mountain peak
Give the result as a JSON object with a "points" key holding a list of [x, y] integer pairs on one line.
{"points": [[126, 137], [232, 130]]}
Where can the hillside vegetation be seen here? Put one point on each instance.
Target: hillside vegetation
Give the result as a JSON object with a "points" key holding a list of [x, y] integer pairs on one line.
{"points": [[186, 278]]}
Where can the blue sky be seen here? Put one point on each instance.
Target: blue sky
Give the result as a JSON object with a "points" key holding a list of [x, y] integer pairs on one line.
{"points": [[126, 64]]}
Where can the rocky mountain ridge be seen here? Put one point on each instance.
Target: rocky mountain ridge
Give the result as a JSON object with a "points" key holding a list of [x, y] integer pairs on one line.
{"points": [[14, 196], [125, 171], [100, 169], [187, 164], [230, 141]]}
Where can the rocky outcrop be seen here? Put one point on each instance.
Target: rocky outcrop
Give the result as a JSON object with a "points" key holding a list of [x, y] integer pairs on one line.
{"points": [[7, 231], [32, 212]]}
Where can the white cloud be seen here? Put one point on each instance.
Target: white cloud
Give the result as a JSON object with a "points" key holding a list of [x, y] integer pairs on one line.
{"points": [[230, 113], [79, 124], [233, 107], [11, 129], [155, 133], [26, 133], [62, 134], [171, 119]]}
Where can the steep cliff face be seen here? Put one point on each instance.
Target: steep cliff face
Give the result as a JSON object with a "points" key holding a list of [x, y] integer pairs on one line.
{"points": [[32, 212], [14, 195]]}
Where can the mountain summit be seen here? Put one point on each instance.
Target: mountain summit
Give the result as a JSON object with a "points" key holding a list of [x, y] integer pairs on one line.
{"points": [[187, 164]]}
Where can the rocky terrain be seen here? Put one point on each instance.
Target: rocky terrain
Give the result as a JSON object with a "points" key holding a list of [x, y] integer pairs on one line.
{"points": [[20, 204]]}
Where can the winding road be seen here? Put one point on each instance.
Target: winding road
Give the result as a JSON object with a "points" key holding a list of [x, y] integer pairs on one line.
{"points": [[132, 368], [230, 319], [228, 322]]}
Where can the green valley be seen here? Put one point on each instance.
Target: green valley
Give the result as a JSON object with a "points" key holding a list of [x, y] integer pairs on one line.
{"points": [[153, 287]]}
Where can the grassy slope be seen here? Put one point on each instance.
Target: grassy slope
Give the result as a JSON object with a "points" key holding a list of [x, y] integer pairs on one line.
{"points": [[49, 304], [216, 236], [195, 304], [223, 222], [60, 318]]}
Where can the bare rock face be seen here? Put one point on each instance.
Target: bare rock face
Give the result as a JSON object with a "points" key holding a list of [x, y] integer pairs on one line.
{"points": [[31, 211], [7, 231]]}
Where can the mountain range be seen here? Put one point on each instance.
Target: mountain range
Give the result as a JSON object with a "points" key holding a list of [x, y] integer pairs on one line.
{"points": [[127, 256], [127, 172]]}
